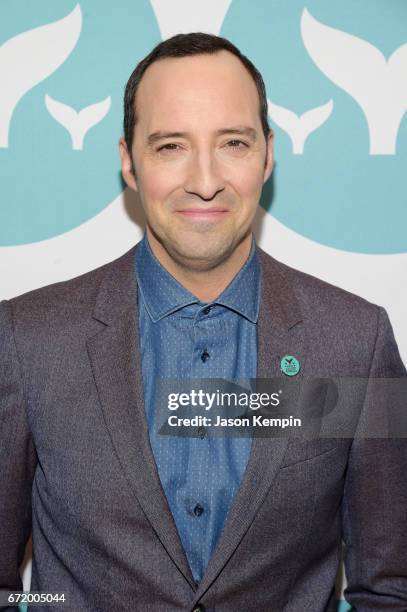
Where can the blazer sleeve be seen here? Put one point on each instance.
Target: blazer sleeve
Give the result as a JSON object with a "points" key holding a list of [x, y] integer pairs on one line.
{"points": [[375, 498], [17, 459]]}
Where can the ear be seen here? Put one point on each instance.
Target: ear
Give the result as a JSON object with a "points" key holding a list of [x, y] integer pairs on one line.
{"points": [[127, 165], [268, 167]]}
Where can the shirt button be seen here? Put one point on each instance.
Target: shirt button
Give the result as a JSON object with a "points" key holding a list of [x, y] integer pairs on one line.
{"points": [[205, 356], [198, 608], [198, 510], [207, 310], [201, 432]]}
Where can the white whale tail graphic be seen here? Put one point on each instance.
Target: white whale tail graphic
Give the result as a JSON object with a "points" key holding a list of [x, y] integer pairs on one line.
{"points": [[77, 124], [29, 58], [360, 69], [299, 128]]}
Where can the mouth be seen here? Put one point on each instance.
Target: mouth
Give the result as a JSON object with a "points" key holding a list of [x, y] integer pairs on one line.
{"points": [[202, 213]]}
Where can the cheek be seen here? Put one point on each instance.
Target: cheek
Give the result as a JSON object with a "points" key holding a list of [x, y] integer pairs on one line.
{"points": [[156, 186], [248, 182]]}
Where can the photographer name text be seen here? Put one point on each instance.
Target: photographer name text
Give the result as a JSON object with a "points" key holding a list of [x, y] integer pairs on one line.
{"points": [[250, 421]]}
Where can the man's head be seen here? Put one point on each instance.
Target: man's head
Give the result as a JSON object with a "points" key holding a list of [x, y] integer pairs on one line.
{"points": [[197, 147]]}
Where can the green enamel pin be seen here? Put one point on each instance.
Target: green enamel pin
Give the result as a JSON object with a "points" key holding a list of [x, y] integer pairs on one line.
{"points": [[289, 365]]}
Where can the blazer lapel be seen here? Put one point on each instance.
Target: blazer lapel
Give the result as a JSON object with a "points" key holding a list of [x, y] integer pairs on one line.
{"points": [[280, 332], [115, 357]]}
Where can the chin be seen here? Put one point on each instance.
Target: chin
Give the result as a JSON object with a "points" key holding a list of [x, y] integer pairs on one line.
{"points": [[202, 257]]}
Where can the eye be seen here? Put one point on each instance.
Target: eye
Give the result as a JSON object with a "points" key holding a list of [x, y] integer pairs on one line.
{"points": [[237, 144], [170, 146]]}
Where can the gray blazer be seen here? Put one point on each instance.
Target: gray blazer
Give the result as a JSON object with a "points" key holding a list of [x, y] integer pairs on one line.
{"points": [[78, 471]]}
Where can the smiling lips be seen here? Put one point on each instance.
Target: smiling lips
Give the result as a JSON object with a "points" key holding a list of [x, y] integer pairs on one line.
{"points": [[202, 213]]}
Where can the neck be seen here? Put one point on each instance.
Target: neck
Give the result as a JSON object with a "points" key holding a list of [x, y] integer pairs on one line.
{"points": [[206, 285]]}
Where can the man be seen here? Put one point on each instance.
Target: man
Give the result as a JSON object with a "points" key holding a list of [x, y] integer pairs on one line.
{"points": [[125, 518]]}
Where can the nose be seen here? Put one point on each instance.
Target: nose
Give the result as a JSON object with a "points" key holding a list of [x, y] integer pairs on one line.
{"points": [[204, 178]]}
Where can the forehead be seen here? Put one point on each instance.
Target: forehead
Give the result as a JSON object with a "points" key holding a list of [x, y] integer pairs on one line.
{"points": [[215, 89]]}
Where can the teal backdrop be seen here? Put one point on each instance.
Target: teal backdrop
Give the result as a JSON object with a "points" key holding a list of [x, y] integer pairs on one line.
{"points": [[47, 187], [339, 178], [335, 193]]}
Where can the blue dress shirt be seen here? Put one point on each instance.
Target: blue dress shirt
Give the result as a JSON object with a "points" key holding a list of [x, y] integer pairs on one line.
{"points": [[182, 337]]}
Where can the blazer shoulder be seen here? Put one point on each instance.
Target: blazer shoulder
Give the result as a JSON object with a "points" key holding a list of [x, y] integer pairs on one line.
{"points": [[341, 326], [316, 295], [70, 296]]}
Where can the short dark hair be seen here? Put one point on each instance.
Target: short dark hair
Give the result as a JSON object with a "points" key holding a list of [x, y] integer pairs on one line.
{"points": [[183, 45]]}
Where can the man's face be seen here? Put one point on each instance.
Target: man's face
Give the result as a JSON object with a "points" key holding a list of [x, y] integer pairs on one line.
{"points": [[200, 157]]}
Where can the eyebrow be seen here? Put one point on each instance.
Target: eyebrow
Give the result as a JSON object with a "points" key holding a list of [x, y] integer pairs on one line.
{"points": [[249, 132], [242, 130]]}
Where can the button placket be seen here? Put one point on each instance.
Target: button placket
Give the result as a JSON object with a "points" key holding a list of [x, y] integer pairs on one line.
{"points": [[198, 510], [202, 334], [201, 432], [205, 356]]}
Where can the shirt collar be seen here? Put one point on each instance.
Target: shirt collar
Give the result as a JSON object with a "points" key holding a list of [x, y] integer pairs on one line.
{"points": [[163, 294]]}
